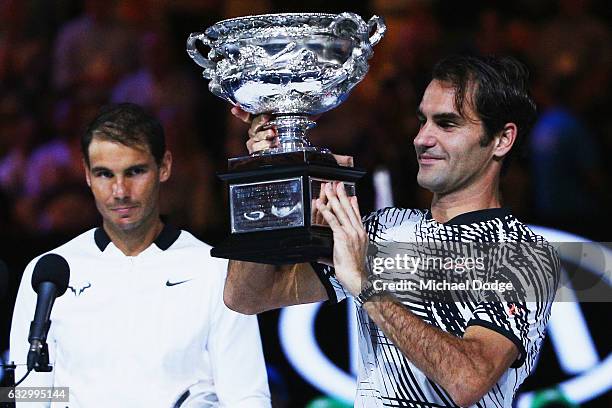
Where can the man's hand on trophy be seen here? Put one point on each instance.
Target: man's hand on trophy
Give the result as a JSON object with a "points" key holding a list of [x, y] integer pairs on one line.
{"points": [[342, 214], [260, 136], [315, 215], [345, 161]]}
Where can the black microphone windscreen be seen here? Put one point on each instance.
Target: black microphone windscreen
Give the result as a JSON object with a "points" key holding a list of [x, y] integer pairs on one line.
{"points": [[51, 268], [4, 279]]}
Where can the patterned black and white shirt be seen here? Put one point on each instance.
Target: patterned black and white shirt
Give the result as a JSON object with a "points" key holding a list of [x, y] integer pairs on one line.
{"points": [[386, 377]]}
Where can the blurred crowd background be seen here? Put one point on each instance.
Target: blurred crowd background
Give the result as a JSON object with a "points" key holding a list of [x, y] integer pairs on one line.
{"points": [[61, 60]]}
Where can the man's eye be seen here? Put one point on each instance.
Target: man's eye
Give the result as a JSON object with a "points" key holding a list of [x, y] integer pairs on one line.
{"points": [[104, 174], [135, 172], [446, 125]]}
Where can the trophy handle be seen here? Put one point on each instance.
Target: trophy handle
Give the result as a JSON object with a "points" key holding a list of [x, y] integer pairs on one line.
{"points": [[208, 65], [357, 26], [355, 66], [381, 28]]}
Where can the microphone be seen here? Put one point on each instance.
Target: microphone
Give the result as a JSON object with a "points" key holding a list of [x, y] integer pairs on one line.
{"points": [[49, 280]]}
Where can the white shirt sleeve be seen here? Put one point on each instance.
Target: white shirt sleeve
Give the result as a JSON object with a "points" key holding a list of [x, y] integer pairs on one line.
{"points": [[19, 346], [236, 355]]}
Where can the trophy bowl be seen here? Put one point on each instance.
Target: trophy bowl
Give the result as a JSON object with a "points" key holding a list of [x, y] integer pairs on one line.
{"points": [[290, 65]]}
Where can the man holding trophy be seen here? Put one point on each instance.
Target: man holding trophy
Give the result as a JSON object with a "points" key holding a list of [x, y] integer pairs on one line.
{"points": [[414, 351]]}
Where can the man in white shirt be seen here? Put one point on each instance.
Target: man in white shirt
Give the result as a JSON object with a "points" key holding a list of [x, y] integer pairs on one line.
{"points": [[142, 323]]}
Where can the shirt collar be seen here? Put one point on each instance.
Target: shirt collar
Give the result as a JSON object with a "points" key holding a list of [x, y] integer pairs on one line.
{"points": [[168, 235], [473, 217]]}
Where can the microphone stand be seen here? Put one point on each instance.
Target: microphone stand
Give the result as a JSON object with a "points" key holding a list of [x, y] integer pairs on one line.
{"points": [[41, 364], [41, 359]]}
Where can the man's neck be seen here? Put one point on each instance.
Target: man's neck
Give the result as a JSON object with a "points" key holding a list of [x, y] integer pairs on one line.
{"points": [[445, 207], [133, 242]]}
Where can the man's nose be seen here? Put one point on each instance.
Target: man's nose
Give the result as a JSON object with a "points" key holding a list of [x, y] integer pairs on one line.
{"points": [[425, 138], [121, 188]]}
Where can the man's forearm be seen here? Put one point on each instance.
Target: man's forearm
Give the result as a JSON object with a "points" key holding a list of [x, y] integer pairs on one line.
{"points": [[457, 364], [247, 283], [253, 288]]}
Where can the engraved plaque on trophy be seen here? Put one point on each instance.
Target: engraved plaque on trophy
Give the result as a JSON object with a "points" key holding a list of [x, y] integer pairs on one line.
{"points": [[291, 66]]}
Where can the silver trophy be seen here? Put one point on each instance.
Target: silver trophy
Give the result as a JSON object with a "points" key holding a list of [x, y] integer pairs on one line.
{"points": [[291, 66]]}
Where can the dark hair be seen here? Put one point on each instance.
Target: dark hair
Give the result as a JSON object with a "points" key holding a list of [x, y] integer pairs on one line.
{"points": [[128, 124], [500, 92]]}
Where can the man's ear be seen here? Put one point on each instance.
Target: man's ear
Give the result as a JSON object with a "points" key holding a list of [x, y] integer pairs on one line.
{"points": [[165, 169], [505, 140], [87, 176]]}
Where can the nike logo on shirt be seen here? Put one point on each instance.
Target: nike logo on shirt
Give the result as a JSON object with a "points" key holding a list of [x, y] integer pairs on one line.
{"points": [[168, 283]]}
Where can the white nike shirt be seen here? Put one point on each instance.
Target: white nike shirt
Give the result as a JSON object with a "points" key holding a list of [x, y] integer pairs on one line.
{"points": [[144, 331]]}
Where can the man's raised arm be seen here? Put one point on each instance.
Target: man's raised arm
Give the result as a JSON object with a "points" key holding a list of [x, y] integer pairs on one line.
{"points": [[254, 288]]}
